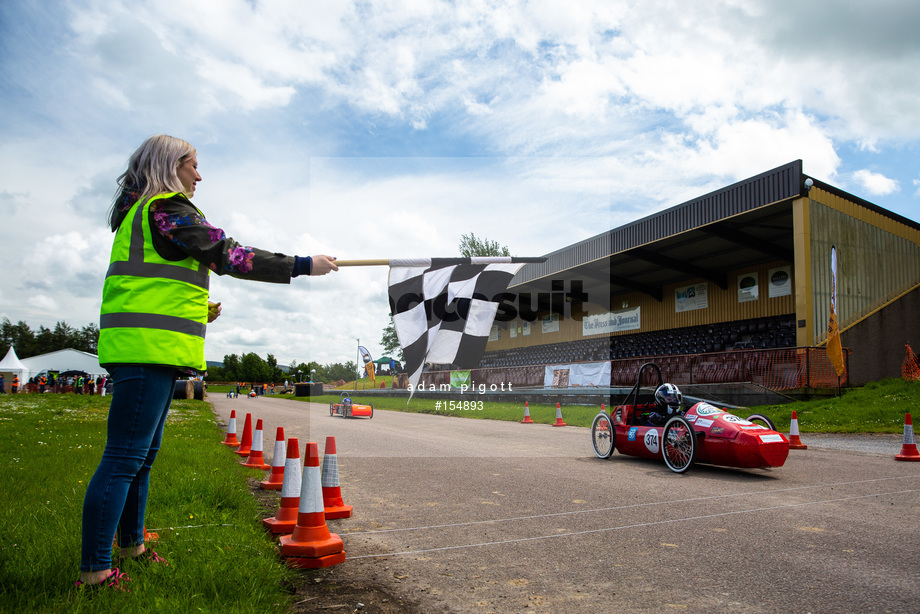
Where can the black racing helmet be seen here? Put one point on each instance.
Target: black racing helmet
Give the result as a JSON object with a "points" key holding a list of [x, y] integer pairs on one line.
{"points": [[668, 399]]}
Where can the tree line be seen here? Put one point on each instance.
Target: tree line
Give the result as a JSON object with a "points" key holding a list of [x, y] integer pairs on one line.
{"points": [[251, 367], [33, 343]]}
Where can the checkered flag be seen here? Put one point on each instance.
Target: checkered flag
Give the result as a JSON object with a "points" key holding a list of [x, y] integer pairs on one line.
{"points": [[443, 308]]}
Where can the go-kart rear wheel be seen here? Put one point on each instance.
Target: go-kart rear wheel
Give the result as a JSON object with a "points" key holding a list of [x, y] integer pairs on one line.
{"points": [[603, 436], [762, 421], [371, 405], [678, 444], [332, 409]]}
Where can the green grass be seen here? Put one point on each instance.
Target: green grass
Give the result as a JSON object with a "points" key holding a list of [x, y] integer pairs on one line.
{"points": [[575, 415], [875, 408], [878, 407], [209, 523]]}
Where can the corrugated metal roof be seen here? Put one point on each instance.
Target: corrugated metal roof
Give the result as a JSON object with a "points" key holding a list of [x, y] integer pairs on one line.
{"points": [[781, 183]]}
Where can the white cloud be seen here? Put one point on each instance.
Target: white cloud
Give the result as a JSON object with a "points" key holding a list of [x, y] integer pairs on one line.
{"points": [[875, 183], [535, 124]]}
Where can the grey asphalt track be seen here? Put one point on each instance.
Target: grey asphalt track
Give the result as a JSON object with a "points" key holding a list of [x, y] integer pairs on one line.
{"points": [[461, 515]]}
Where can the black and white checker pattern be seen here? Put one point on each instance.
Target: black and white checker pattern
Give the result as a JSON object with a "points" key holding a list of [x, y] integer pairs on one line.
{"points": [[443, 308]]}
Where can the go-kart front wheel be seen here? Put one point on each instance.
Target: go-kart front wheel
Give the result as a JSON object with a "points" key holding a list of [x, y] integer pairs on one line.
{"points": [[332, 409], [603, 436], [762, 421], [678, 444]]}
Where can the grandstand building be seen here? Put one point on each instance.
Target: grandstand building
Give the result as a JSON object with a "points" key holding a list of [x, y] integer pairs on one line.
{"points": [[733, 286]]}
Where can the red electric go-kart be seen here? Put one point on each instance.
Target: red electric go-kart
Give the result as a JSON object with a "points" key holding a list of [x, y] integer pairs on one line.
{"points": [[347, 409], [703, 433]]}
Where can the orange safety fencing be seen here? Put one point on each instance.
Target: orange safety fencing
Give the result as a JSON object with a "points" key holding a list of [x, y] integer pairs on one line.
{"points": [[910, 368], [774, 369]]}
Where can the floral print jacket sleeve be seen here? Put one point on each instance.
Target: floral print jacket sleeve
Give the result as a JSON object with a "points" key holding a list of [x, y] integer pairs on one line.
{"points": [[184, 231]]}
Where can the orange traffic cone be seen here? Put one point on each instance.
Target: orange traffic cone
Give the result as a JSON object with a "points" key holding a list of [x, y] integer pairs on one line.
{"points": [[794, 442], [246, 443], [909, 450], [286, 518], [333, 505], [256, 459], [559, 421], [311, 545], [231, 439], [527, 419], [276, 477]]}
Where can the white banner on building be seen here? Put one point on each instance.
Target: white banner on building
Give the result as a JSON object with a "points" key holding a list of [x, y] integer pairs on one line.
{"points": [[550, 323], [611, 322], [692, 297], [578, 374], [748, 287], [780, 283]]}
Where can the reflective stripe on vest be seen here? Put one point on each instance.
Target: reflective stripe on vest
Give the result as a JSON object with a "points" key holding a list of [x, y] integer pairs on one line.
{"points": [[154, 311]]}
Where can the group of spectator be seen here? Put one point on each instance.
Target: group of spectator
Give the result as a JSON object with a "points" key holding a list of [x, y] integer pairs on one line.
{"points": [[258, 389], [14, 388], [78, 384]]}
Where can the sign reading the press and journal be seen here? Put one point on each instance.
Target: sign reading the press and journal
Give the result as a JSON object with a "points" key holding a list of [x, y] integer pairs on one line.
{"points": [[611, 322]]}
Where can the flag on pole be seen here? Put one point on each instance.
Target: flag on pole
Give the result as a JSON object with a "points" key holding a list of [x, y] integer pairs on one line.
{"points": [[443, 308], [368, 362], [834, 347]]}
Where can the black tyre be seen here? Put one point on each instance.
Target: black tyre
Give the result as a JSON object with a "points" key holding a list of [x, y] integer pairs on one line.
{"points": [[332, 409], [372, 410], [603, 436], [762, 421], [678, 444]]}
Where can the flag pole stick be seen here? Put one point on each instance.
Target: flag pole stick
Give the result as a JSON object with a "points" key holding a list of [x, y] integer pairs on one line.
{"points": [[366, 262], [386, 261]]}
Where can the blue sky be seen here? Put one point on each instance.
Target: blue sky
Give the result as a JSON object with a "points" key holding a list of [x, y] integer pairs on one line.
{"points": [[389, 129]]}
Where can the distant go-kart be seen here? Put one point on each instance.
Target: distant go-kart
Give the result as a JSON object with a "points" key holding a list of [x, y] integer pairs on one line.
{"points": [[703, 433], [347, 409]]}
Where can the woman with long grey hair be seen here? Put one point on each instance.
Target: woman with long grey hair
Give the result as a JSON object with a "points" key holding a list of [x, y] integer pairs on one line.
{"points": [[155, 310]]}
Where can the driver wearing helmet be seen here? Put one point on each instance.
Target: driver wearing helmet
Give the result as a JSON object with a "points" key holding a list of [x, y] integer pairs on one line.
{"points": [[668, 401]]}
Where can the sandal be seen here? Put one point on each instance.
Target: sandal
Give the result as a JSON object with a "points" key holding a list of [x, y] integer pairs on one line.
{"points": [[148, 557], [115, 581]]}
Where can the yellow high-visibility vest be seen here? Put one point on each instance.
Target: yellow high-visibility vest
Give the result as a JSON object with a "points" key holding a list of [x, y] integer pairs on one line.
{"points": [[154, 311]]}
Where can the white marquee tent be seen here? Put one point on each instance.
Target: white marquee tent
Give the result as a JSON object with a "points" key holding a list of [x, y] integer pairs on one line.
{"points": [[63, 360], [11, 365]]}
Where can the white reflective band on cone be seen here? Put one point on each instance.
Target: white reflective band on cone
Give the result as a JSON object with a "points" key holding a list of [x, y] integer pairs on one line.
{"points": [[311, 493], [290, 486], [278, 457], [330, 471]]}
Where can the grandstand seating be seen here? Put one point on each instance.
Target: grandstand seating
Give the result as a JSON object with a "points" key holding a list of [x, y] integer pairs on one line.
{"points": [[758, 333]]}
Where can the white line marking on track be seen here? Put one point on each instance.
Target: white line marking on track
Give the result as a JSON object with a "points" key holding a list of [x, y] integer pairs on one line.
{"points": [[623, 507], [631, 526]]}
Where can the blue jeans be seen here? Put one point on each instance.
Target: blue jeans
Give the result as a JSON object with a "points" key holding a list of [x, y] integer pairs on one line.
{"points": [[117, 495]]}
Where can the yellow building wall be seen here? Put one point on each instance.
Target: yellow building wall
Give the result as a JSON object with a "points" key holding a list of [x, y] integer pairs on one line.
{"points": [[877, 260]]}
